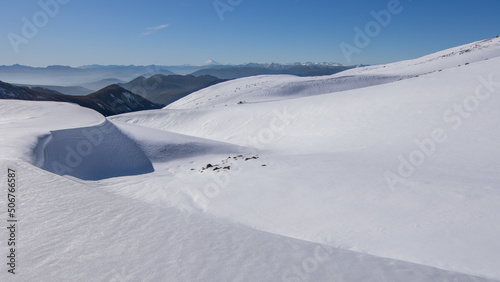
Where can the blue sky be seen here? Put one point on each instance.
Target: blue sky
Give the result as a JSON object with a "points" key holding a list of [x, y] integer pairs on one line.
{"points": [[174, 32]]}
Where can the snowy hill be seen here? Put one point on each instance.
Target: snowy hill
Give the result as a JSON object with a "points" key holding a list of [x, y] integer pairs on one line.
{"points": [[450, 58], [383, 173], [266, 88], [272, 87]]}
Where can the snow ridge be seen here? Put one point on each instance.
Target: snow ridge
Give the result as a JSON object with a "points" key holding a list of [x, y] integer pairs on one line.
{"points": [[92, 153]]}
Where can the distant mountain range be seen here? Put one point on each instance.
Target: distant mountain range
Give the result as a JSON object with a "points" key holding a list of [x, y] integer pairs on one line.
{"points": [[214, 68], [158, 84], [69, 76], [164, 90], [94, 77], [102, 83], [68, 90], [231, 72], [108, 101]]}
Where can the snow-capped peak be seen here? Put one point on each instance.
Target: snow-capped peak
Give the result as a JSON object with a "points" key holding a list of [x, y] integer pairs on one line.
{"points": [[211, 63]]}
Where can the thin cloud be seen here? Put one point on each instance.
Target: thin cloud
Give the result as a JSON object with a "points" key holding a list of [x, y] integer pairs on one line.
{"points": [[151, 30]]}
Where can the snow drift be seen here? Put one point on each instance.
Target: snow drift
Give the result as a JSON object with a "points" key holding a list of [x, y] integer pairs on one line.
{"points": [[394, 182], [405, 169], [267, 88], [92, 153]]}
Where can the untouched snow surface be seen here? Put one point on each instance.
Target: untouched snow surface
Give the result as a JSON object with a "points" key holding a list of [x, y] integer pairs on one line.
{"points": [[385, 173], [276, 87]]}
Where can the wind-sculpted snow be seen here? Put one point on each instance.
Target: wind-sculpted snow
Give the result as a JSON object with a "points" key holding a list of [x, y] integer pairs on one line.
{"points": [[92, 153], [406, 170], [268, 88], [162, 146], [446, 59], [74, 232], [25, 122], [68, 140], [391, 182]]}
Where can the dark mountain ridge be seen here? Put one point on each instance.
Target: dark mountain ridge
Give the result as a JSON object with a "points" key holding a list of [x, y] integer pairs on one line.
{"points": [[111, 100], [232, 72], [168, 89]]}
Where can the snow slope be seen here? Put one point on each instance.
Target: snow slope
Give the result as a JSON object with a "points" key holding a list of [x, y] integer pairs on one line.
{"points": [[328, 158], [92, 153], [86, 145], [73, 232], [268, 87], [449, 58], [298, 185], [26, 122], [265, 88]]}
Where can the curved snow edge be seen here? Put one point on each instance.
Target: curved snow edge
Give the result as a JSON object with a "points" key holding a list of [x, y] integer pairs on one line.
{"points": [[91, 153]]}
